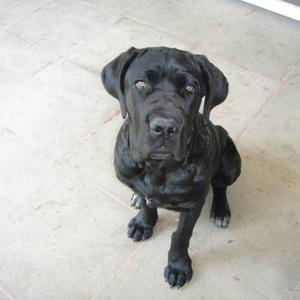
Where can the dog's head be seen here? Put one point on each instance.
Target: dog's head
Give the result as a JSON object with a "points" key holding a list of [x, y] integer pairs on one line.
{"points": [[160, 89]]}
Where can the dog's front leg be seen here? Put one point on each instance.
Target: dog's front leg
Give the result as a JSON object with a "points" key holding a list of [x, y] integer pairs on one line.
{"points": [[141, 226], [179, 268]]}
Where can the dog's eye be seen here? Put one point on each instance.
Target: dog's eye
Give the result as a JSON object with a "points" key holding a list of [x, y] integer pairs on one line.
{"points": [[140, 84], [190, 89]]}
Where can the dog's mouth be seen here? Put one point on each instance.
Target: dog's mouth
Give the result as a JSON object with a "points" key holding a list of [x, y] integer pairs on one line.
{"points": [[166, 155]]}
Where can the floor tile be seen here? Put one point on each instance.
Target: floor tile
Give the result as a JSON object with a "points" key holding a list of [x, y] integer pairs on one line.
{"points": [[6, 8], [63, 238], [19, 60], [61, 25], [20, 166], [94, 54], [261, 243], [93, 158], [55, 110], [245, 98], [139, 280], [174, 17], [274, 133], [260, 42], [4, 295], [296, 294], [13, 11]]}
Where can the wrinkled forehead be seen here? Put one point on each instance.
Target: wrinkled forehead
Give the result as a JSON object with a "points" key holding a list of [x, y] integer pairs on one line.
{"points": [[162, 61]]}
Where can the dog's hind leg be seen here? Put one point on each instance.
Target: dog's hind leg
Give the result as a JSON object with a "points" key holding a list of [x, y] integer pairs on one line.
{"points": [[220, 211], [228, 171]]}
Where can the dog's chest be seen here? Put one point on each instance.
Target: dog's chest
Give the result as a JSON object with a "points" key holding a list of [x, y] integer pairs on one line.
{"points": [[173, 189]]}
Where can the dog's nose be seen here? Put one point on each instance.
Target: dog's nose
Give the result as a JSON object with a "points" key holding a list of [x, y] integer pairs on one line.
{"points": [[163, 126]]}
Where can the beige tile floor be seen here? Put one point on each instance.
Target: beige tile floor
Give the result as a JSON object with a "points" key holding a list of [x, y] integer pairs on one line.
{"points": [[63, 213]]}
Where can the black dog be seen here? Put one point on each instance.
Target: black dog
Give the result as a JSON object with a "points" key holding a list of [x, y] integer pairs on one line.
{"points": [[166, 151]]}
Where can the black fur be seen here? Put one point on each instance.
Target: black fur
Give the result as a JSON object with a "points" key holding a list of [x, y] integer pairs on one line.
{"points": [[166, 151]]}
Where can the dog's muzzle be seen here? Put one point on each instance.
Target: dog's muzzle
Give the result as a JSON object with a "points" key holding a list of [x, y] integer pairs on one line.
{"points": [[163, 133], [159, 130], [165, 127]]}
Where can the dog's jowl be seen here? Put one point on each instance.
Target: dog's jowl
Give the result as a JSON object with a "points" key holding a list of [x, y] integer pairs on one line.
{"points": [[166, 151]]}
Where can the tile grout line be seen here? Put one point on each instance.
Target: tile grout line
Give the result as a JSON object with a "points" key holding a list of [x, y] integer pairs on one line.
{"points": [[56, 58], [93, 131], [95, 72], [108, 119], [293, 292], [6, 293], [224, 270], [122, 267], [281, 82], [89, 181], [93, 184], [213, 260]]}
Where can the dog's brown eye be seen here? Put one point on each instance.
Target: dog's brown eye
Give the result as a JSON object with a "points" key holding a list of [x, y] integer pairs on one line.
{"points": [[140, 84], [190, 89]]}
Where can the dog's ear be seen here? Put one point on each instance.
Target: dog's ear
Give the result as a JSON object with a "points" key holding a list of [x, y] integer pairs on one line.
{"points": [[113, 75], [216, 86]]}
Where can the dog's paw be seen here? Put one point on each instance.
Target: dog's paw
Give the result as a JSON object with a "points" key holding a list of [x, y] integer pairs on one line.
{"points": [[220, 215], [139, 230], [178, 272], [136, 201]]}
